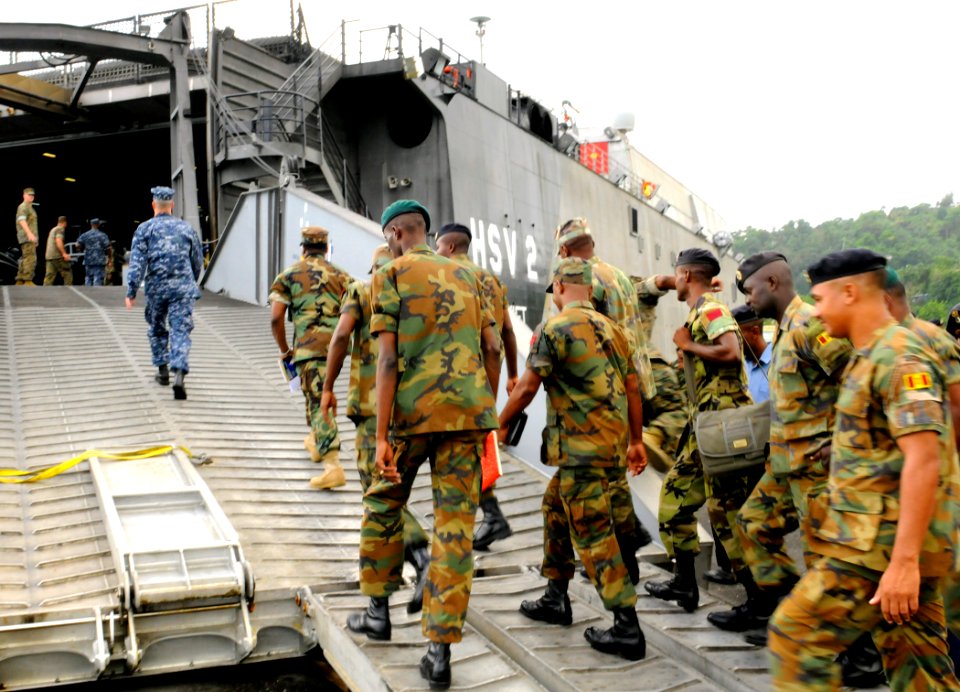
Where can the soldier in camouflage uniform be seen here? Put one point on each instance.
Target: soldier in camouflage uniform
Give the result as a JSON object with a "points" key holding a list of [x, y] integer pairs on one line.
{"points": [[166, 254], [585, 364], [354, 326], [614, 296], [665, 414], [709, 337], [312, 290], [453, 242], [887, 524], [57, 258], [27, 236], [804, 380], [438, 367], [94, 244]]}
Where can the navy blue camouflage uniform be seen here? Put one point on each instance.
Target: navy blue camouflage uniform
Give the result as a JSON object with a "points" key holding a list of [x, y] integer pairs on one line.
{"points": [[95, 244], [166, 253]]}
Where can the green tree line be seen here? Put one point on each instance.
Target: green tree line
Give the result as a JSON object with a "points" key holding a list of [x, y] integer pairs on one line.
{"points": [[922, 243]]}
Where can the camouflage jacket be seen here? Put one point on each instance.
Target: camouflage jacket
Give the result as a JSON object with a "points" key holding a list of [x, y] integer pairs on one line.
{"points": [[804, 380], [648, 295], [941, 343], [433, 305], [313, 289], [167, 255], [615, 297], [53, 252], [362, 398], [891, 388], [717, 386], [584, 360], [494, 294], [95, 243], [26, 212]]}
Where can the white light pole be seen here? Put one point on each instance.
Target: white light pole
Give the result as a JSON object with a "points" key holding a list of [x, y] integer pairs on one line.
{"points": [[481, 22]]}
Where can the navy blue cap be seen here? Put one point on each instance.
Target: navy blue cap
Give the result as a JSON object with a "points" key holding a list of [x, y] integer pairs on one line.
{"points": [[844, 263], [454, 228], [744, 314], [696, 255], [162, 194], [754, 263]]}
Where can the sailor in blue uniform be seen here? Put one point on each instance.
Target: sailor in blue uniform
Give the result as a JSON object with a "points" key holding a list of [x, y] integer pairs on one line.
{"points": [[166, 255], [94, 243]]}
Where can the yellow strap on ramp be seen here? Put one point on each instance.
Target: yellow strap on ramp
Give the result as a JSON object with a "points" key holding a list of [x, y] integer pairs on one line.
{"points": [[17, 476]]}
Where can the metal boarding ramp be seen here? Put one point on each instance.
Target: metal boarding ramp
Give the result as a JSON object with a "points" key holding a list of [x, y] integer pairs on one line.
{"points": [[184, 593]]}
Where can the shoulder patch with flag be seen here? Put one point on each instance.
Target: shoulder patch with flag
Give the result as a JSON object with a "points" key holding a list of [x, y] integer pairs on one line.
{"points": [[823, 339], [711, 315], [917, 380]]}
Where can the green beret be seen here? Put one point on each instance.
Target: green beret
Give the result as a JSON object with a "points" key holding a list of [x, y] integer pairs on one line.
{"points": [[754, 263], [696, 255], [844, 263], [893, 279], [572, 270], [404, 206]]}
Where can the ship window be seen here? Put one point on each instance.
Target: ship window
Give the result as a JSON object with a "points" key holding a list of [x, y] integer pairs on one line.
{"points": [[656, 251], [634, 221]]}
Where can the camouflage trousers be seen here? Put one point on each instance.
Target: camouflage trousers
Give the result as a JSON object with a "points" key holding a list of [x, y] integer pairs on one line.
{"points": [[828, 610], [950, 588], [28, 261], [777, 507], [577, 514], [93, 275], [57, 266], [665, 413], [686, 489], [169, 346], [366, 443], [325, 435], [455, 475]]}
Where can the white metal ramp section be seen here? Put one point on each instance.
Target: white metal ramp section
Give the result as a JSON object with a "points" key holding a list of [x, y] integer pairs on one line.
{"points": [[185, 585]]}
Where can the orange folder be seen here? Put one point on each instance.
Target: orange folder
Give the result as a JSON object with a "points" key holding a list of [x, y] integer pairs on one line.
{"points": [[490, 467]]}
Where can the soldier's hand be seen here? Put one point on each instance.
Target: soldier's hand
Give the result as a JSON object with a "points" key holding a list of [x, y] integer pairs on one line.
{"points": [[386, 464], [682, 338], [502, 435], [716, 284], [328, 400], [511, 383], [129, 302], [898, 593], [636, 458]]}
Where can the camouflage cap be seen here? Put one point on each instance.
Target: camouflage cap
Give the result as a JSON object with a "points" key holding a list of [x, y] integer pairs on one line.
{"points": [[572, 270], [382, 256], [404, 206], [754, 263], [28, 191], [314, 235], [162, 193], [572, 229], [844, 263], [94, 221]]}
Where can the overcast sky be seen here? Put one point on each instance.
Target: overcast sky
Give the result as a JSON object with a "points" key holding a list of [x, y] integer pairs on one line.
{"points": [[770, 111]]}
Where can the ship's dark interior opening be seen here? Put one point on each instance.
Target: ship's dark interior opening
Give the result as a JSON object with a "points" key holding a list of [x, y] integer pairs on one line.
{"points": [[103, 176], [409, 117]]}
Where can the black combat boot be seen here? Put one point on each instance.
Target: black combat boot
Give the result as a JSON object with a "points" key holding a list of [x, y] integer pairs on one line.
{"points": [[435, 666], [420, 559], [718, 575], [163, 376], [374, 621], [552, 607], [628, 551], [753, 614], [624, 639], [493, 527], [179, 390], [861, 664], [682, 587]]}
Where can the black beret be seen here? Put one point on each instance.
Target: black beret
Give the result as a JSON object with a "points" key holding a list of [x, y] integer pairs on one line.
{"points": [[844, 263], [696, 255], [953, 320], [753, 263], [744, 314], [454, 228]]}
